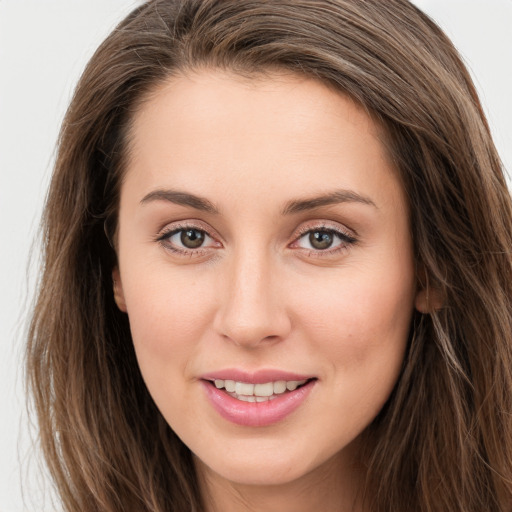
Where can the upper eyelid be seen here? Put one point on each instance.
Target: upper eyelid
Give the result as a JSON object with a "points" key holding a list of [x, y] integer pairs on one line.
{"points": [[173, 227], [327, 226]]}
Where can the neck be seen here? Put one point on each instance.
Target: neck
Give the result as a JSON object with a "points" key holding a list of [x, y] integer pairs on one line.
{"points": [[330, 488]]}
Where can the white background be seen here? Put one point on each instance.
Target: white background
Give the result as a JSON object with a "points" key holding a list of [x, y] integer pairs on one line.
{"points": [[44, 45]]}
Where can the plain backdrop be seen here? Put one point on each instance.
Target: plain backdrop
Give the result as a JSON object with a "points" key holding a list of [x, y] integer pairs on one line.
{"points": [[44, 45]]}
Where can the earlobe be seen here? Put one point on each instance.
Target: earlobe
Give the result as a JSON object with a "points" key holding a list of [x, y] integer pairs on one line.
{"points": [[424, 302], [118, 290], [428, 299]]}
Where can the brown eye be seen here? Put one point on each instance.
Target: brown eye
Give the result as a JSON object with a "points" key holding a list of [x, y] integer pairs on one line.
{"points": [[324, 241], [192, 238], [321, 239], [189, 240]]}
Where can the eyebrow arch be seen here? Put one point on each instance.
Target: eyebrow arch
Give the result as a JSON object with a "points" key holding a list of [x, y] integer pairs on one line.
{"points": [[181, 198], [338, 196]]}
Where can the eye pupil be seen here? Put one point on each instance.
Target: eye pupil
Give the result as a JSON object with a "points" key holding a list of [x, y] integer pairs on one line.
{"points": [[192, 238], [320, 239]]}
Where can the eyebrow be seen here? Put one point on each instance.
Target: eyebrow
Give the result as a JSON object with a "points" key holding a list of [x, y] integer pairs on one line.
{"points": [[291, 207], [181, 198], [336, 197]]}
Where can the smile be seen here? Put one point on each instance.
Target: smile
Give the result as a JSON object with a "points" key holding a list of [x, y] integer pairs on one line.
{"points": [[247, 392], [256, 404]]}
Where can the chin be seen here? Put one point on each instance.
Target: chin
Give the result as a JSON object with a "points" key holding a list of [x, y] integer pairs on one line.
{"points": [[266, 466], [263, 473]]}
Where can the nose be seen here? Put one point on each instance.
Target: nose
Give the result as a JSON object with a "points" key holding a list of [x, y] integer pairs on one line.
{"points": [[253, 308]]}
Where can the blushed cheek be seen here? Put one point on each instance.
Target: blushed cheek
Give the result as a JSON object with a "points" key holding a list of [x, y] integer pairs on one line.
{"points": [[361, 321], [167, 321]]}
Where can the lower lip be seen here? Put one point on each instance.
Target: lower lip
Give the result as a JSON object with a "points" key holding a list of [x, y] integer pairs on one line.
{"points": [[256, 414]]}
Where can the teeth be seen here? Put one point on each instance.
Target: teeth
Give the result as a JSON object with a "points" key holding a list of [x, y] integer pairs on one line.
{"points": [[230, 385], [294, 384], [261, 392], [252, 398], [279, 387], [245, 398], [242, 388], [266, 389]]}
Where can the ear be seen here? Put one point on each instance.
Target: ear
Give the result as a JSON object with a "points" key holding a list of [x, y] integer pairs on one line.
{"points": [[428, 298], [118, 290]]}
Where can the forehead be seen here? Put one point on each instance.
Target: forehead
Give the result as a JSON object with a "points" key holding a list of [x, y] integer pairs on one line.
{"points": [[274, 131], [215, 96]]}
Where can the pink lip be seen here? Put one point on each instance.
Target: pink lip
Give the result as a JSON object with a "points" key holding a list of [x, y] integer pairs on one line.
{"points": [[256, 414], [256, 377]]}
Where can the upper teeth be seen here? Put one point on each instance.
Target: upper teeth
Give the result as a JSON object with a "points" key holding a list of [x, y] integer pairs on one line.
{"points": [[266, 389]]}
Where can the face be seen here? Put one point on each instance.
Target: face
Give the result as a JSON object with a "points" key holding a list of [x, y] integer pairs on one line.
{"points": [[265, 264]]}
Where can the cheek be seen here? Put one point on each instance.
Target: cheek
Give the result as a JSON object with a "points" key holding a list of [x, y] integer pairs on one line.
{"points": [[362, 330], [168, 315], [358, 312], [361, 323]]}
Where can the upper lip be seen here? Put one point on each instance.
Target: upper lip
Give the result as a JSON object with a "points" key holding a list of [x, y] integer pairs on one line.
{"points": [[254, 377]]}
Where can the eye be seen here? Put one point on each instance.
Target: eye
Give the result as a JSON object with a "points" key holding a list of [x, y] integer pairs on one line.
{"points": [[186, 239], [190, 238], [321, 239], [324, 239]]}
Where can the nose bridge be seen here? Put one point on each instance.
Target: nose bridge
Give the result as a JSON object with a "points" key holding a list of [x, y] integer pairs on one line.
{"points": [[252, 309]]}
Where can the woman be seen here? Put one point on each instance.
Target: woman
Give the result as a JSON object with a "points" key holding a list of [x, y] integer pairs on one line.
{"points": [[278, 268]]}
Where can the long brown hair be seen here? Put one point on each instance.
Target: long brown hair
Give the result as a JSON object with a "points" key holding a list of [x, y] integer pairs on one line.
{"points": [[443, 442]]}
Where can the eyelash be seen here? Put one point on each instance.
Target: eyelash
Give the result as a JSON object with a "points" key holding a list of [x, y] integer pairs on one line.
{"points": [[346, 240], [164, 237]]}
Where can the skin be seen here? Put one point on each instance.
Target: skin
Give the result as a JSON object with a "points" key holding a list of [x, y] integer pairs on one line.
{"points": [[257, 294]]}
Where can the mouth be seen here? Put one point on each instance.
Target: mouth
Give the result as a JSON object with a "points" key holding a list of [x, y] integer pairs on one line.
{"points": [[257, 393], [257, 404]]}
